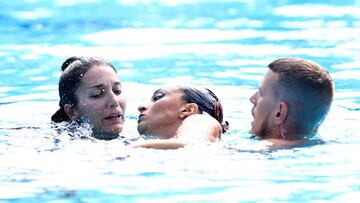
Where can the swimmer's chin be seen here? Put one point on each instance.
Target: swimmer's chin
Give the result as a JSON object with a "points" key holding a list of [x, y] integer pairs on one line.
{"points": [[102, 135], [106, 136], [142, 130]]}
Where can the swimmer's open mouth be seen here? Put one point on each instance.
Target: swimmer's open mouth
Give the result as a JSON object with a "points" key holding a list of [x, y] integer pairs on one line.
{"points": [[114, 116]]}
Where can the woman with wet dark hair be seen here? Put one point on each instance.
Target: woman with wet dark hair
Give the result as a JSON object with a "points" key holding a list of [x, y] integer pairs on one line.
{"points": [[206, 100], [180, 115], [90, 91]]}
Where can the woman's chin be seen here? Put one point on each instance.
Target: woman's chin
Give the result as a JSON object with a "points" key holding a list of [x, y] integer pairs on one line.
{"points": [[108, 134], [115, 129], [141, 129]]}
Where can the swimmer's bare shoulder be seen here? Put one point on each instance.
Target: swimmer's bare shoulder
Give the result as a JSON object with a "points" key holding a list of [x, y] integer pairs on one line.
{"points": [[200, 126]]}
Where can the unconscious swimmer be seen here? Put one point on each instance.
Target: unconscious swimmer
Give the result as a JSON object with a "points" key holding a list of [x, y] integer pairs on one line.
{"points": [[180, 115]]}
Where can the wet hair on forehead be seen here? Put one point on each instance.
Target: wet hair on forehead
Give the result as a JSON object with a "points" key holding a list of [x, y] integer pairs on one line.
{"points": [[83, 64], [73, 70], [307, 87]]}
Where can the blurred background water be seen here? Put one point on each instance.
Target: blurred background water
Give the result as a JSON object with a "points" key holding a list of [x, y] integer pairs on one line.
{"points": [[222, 44]]}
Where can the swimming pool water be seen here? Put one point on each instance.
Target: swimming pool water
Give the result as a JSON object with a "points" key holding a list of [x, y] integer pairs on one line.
{"points": [[225, 45]]}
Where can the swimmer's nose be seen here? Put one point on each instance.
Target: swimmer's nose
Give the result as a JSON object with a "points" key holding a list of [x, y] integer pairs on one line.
{"points": [[141, 108], [112, 100]]}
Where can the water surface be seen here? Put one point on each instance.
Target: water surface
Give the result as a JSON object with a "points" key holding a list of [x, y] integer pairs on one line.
{"points": [[225, 45]]}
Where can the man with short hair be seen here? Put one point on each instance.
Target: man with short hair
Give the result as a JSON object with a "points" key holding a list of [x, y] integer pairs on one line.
{"points": [[292, 101]]}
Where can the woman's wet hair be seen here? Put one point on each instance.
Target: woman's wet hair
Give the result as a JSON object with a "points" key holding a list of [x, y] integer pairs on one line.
{"points": [[72, 71], [207, 102]]}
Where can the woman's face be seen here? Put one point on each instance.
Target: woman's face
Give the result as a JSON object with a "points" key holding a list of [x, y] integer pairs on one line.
{"points": [[162, 116], [100, 100]]}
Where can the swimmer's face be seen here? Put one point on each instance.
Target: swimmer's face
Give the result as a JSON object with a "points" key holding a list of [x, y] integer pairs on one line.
{"points": [[264, 101], [100, 100], [161, 117]]}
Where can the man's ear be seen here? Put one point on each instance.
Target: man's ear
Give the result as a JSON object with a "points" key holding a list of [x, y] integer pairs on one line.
{"points": [[71, 112], [281, 113], [188, 109]]}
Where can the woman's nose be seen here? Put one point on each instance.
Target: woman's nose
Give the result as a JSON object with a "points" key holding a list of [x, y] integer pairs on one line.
{"points": [[141, 108], [113, 101]]}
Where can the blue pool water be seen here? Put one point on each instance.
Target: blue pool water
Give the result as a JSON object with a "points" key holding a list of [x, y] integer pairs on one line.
{"points": [[222, 44]]}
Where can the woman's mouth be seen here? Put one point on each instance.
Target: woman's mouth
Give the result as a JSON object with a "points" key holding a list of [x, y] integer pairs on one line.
{"points": [[114, 116], [140, 117]]}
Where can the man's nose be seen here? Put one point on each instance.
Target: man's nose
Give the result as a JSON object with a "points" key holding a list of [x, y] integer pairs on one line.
{"points": [[253, 98]]}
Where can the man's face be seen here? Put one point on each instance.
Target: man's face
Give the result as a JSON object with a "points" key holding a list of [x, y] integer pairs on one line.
{"points": [[264, 101]]}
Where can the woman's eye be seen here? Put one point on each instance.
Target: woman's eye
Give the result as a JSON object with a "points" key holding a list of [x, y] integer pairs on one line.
{"points": [[97, 94], [158, 96]]}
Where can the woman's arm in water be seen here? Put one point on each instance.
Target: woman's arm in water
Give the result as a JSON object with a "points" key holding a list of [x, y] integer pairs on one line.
{"points": [[172, 143], [195, 129]]}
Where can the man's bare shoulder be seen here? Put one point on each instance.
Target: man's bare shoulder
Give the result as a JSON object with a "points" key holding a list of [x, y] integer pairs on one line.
{"points": [[274, 144]]}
